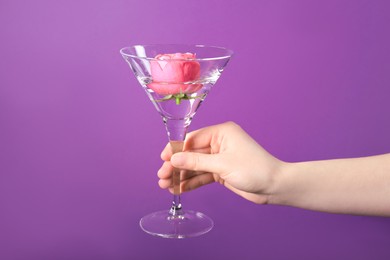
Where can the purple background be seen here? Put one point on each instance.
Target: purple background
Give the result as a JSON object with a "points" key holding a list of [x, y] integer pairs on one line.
{"points": [[80, 142]]}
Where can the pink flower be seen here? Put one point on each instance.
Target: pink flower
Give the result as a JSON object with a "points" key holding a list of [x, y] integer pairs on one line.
{"points": [[170, 71]]}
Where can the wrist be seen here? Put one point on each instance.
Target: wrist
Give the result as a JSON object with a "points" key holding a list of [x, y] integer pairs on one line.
{"points": [[278, 194]]}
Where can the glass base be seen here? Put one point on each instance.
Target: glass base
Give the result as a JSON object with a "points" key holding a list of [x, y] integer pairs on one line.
{"points": [[184, 224]]}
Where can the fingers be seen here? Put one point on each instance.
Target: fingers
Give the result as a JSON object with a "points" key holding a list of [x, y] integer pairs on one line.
{"points": [[165, 183], [165, 171], [205, 140], [166, 153], [202, 148], [199, 162], [197, 181], [189, 180], [210, 137]]}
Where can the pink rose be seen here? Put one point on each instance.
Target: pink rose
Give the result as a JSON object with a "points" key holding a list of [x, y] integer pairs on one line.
{"points": [[170, 71]]}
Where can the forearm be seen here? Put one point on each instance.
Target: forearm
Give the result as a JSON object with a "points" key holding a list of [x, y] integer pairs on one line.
{"points": [[351, 186]]}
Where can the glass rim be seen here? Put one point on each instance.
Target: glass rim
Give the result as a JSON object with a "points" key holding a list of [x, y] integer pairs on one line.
{"points": [[220, 57]]}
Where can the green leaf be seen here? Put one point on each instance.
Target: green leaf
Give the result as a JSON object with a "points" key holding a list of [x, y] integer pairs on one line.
{"points": [[179, 97]]}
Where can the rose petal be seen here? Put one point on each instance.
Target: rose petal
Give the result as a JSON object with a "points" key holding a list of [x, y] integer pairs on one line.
{"points": [[174, 72]]}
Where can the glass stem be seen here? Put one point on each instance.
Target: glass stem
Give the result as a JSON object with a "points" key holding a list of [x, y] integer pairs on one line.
{"points": [[177, 146], [176, 130]]}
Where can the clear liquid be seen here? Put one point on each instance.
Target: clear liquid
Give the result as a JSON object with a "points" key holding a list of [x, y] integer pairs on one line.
{"points": [[185, 109]]}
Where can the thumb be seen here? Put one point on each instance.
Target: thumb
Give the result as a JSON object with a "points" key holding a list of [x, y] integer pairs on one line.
{"points": [[212, 163]]}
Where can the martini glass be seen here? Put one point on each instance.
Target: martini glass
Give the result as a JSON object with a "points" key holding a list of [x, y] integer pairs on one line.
{"points": [[176, 78]]}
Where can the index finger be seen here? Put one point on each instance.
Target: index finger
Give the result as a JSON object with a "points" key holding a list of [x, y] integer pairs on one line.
{"points": [[204, 138], [166, 153], [201, 140]]}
